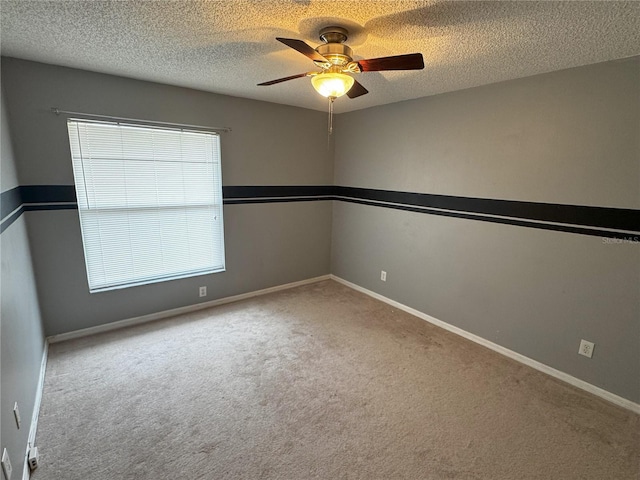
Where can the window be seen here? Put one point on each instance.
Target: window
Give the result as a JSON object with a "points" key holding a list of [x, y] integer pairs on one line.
{"points": [[149, 200]]}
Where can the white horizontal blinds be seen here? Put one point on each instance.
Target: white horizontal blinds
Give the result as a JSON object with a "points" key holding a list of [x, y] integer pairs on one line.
{"points": [[150, 202]]}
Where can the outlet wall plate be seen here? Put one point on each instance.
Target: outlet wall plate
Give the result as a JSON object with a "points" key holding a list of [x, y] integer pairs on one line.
{"points": [[33, 458], [383, 275], [203, 291], [6, 464], [586, 348]]}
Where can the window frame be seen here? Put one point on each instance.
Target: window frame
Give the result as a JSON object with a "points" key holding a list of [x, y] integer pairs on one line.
{"points": [[216, 204]]}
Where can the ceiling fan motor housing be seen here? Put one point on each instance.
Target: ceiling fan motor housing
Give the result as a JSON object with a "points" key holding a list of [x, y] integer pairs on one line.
{"points": [[337, 53], [334, 48]]}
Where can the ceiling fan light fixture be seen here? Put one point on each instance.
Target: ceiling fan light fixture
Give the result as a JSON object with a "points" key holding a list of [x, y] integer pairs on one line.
{"points": [[332, 84]]}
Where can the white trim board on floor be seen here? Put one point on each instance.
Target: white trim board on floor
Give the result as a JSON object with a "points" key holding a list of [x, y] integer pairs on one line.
{"points": [[33, 428], [565, 377], [129, 322]]}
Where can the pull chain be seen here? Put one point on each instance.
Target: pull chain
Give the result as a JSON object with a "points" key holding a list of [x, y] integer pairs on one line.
{"points": [[330, 127], [331, 99]]}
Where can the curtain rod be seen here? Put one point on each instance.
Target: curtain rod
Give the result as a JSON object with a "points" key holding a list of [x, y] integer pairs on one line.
{"points": [[57, 111]]}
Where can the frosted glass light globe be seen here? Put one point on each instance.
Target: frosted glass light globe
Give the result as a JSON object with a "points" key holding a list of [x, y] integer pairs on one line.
{"points": [[332, 84]]}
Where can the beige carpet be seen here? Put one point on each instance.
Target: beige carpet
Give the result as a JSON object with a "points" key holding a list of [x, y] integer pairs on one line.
{"points": [[316, 382]]}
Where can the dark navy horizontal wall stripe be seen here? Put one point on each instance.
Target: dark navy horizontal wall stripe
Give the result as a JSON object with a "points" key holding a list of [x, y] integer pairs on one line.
{"points": [[580, 219], [48, 193], [244, 201], [9, 201], [234, 192], [6, 222], [634, 237], [613, 218], [56, 206]]}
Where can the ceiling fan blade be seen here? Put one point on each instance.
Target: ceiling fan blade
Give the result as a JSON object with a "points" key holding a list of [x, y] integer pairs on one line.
{"points": [[357, 90], [280, 80], [410, 61], [303, 48]]}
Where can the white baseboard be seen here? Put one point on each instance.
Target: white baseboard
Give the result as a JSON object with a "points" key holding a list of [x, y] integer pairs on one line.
{"points": [[576, 382], [177, 311], [33, 428]]}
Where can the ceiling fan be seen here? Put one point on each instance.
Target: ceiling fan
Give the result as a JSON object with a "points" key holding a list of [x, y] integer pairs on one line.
{"points": [[335, 59]]}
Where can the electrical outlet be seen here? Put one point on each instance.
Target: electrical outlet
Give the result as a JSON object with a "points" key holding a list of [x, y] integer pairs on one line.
{"points": [[383, 275], [16, 414], [203, 291], [586, 348], [33, 458], [6, 465]]}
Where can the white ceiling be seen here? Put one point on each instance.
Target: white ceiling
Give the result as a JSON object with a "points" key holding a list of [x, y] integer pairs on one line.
{"points": [[229, 46]]}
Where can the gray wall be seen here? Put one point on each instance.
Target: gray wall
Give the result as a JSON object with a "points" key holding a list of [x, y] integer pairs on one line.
{"points": [[266, 245], [21, 335], [568, 137]]}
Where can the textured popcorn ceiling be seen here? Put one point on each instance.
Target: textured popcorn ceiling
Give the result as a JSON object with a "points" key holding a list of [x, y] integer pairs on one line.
{"points": [[229, 46]]}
